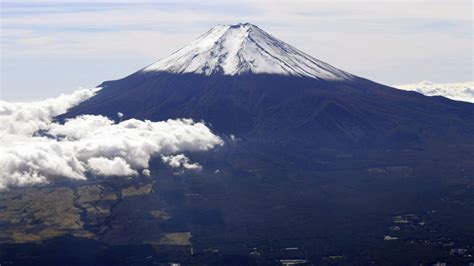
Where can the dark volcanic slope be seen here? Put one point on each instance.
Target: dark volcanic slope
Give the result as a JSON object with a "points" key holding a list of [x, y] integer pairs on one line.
{"points": [[277, 108]]}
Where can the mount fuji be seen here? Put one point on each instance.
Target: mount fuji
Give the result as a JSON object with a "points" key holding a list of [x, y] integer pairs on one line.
{"points": [[243, 81]]}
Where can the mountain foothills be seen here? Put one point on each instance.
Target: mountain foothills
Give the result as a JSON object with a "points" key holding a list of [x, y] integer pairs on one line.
{"points": [[318, 166]]}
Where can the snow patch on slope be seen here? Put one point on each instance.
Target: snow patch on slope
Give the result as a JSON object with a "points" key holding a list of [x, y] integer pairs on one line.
{"points": [[462, 91], [244, 48]]}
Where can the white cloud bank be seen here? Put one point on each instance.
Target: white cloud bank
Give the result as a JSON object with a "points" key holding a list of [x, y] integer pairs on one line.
{"points": [[461, 91], [88, 144]]}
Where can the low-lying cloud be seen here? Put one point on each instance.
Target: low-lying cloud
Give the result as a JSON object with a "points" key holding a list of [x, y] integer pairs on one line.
{"points": [[180, 161], [37, 150]]}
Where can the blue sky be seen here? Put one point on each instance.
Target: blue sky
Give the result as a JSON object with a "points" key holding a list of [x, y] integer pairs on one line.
{"points": [[57, 46]]}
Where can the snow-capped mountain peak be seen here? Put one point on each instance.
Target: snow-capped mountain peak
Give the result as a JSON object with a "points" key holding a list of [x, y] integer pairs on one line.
{"points": [[244, 48]]}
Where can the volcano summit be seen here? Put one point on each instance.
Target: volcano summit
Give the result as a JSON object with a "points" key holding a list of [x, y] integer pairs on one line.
{"points": [[244, 49]]}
